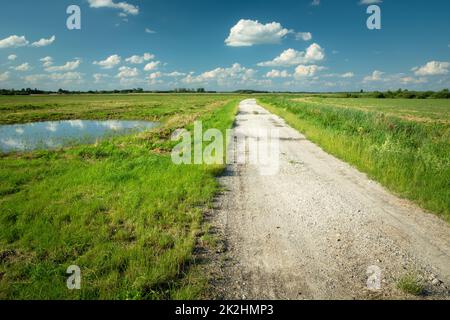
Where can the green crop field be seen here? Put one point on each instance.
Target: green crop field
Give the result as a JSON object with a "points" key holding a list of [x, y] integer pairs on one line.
{"points": [[119, 209], [402, 143]]}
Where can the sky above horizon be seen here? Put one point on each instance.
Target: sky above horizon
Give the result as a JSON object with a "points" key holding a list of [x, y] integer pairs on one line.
{"points": [[284, 45]]}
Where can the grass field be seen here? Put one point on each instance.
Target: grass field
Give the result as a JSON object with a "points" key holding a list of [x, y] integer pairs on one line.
{"points": [[120, 209], [130, 218], [404, 144]]}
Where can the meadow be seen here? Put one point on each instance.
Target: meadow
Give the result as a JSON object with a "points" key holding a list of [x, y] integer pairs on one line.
{"points": [[132, 220], [403, 144], [118, 209]]}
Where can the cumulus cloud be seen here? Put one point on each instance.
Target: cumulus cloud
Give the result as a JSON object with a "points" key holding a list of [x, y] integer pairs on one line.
{"points": [[305, 36], [303, 71], [175, 74], [124, 6], [13, 42], [152, 65], [109, 62], [46, 61], [150, 31], [290, 57], [127, 72], [44, 42], [23, 67], [64, 78], [432, 68], [247, 33], [12, 57], [98, 77], [140, 59], [347, 75], [412, 80], [375, 76], [236, 74], [315, 3], [4, 76], [278, 74], [68, 66], [368, 2]]}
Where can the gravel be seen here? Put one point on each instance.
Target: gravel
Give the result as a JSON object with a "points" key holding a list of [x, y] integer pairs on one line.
{"points": [[313, 229]]}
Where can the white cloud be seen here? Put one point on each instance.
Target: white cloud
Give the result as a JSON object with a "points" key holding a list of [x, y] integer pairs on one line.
{"points": [[4, 76], [175, 74], [35, 78], [22, 67], [247, 33], [303, 71], [432, 68], [140, 59], [98, 77], [375, 76], [409, 80], [278, 74], [152, 65], [109, 62], [124, 6], [291, 57], [64, 78], [236, 74], [127, 72], [47, 61], [13, 42], [147, 30], [315, 3], [305, 36], [367, 2], [43, 42], [155, 75], [153, 78], [347, 75], [69, 66], [12, 57]]}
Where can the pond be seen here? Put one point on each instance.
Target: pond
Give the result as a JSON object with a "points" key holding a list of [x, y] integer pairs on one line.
{"points": [[57, 134]]}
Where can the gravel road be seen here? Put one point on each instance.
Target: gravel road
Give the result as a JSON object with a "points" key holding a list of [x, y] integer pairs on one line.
{"points": [[319, 228]]}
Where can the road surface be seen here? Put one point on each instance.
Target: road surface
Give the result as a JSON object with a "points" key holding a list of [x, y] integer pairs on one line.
{"points": [[318, 228]]}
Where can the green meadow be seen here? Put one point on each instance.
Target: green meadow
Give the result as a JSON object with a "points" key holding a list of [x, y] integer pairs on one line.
{"points": [[404, 144], [131, 219], [119, 209]]}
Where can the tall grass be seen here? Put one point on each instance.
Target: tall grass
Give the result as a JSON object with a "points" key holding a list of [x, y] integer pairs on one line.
{"points": [[410, 158]]}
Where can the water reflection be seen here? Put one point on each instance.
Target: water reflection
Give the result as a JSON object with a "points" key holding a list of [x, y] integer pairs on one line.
{"points": [[57, 134]]}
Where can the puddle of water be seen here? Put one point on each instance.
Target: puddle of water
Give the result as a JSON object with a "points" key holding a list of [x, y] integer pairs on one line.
{"points": [[57, 134]]}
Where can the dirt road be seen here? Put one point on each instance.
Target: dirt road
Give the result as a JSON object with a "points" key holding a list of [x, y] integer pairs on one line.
{"points": [[315, 229]]}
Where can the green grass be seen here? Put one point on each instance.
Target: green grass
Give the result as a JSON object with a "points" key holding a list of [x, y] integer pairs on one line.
{"points": [[410, 157], [411, 284], [432, 110], [121, 210]]}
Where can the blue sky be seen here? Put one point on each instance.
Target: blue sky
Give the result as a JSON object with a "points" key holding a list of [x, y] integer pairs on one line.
{"points": [[225, 45]]}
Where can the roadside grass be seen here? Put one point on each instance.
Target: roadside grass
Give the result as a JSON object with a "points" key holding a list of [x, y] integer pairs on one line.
{"points": [[411, 158], [411, 283], [120, 209]]}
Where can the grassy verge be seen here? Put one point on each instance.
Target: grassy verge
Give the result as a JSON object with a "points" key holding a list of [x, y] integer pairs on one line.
{"points": [[120, 210], [411, 158]]}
